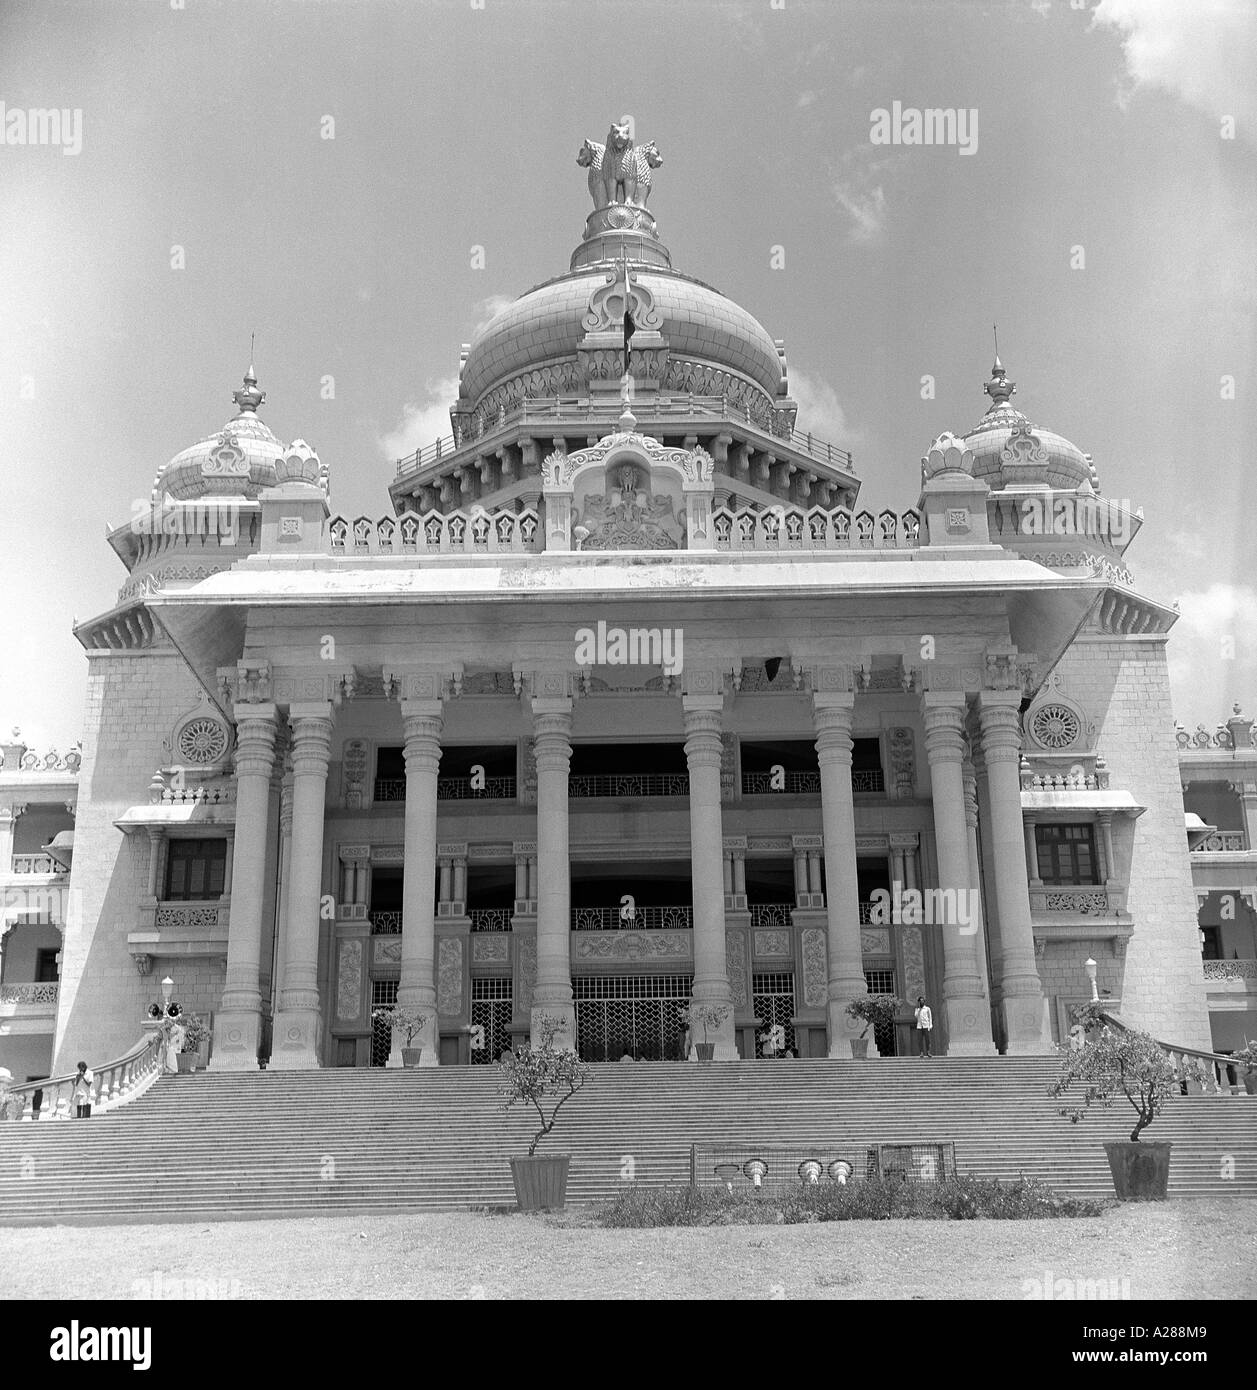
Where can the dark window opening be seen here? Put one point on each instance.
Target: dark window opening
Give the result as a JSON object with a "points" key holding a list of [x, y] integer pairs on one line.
{"points": [[46, 969], [1211, 943], [1066, 853], [195, 870]]}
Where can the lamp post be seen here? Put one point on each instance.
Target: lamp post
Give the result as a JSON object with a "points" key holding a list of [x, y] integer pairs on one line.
{"points": [[167, 989], [1090, 967]]}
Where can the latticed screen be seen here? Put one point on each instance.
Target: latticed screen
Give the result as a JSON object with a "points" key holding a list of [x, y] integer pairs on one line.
{"points": [[383, 993], [635, 1016], [772, 997], [491, 1005]]}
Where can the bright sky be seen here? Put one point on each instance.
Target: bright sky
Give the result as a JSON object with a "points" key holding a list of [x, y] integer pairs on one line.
{"points": [[1103, 127]]}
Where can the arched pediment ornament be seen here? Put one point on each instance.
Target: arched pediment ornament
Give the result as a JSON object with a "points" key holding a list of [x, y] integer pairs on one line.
{"points": [[693, 466], [605, 311], [1024, 446]]}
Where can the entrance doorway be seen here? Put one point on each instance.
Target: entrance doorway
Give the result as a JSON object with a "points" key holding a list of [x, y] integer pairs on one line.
{"points": [[633, 1015]]}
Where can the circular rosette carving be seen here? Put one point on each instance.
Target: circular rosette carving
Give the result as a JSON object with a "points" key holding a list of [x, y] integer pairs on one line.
{"points": [[202, 740], [1055, 726]]}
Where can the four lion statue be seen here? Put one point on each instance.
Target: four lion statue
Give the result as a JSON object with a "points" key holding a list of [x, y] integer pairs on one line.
{"points": [[619, 171]]}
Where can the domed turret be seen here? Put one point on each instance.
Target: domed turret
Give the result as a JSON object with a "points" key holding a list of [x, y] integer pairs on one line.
{"points": [[1009, 451], [237, 461]]}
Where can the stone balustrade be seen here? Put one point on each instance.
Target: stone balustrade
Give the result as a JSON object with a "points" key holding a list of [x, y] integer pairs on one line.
{"points": [[1087, 901], [473, 532], [1222, 736], [36, 864], [1087, 773], [815, 528], [1194, 1070], [114, 1084], [1223, 842]]}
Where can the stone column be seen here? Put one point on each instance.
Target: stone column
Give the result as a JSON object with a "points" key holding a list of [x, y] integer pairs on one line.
{"points": [[552, 726], [800, 876], [238, 1023], [1105, 872], [965, 1006], [814, 873], [8, 824], [297, 1031], [975, 880], [1032, 848], [1019, 985], [703, 719], [422, 723], [285, 872], [832, 715], [155, 838]]}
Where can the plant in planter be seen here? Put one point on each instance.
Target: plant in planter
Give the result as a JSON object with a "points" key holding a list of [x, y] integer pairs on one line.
{"points": [[1245, 1059], [874, 1011], [409, 1023], [173, 1025], [545, 1077], [704, 1014], [1122, 1062], [195, 1037]]}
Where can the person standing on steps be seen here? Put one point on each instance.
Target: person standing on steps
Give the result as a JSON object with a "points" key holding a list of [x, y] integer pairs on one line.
{"points": [[925, 1025], [83, 1092]]}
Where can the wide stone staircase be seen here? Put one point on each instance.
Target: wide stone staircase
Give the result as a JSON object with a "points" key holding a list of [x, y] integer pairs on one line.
{"points": [[209, 1146]]}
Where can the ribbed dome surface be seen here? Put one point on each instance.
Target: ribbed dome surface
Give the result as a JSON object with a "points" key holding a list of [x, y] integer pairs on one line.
{"points": [[201, 470], [545, 325]]}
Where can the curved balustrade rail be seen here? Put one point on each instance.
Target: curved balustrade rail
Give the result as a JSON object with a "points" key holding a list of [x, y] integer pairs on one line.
{"points": [[1192, 1066], [113, 1084]]}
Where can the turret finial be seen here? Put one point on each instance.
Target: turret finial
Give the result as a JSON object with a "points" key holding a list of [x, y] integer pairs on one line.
{"points": [[250, 398]]}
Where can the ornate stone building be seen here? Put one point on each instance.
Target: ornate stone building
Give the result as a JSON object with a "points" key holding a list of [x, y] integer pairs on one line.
{"points": [[625, 701]]}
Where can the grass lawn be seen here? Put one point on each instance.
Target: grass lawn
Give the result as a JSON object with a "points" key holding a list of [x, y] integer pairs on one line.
{"points": [[1197, 1249]]}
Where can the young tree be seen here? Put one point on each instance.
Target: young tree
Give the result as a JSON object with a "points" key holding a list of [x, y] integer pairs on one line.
{"points": [[1112, 1062], [537, 1075]]}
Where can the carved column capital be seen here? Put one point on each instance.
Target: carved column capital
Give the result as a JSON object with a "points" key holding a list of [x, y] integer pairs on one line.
{"points": [[311, 727], [999, 714], [944, 719], [703, 717], [552, 733], [422, 723], [832, 714], [256, 732]]}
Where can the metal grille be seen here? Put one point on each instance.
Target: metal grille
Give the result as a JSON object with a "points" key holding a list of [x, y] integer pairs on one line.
{"points": [[772, 998], [880, 981], [491, 1007], [637, 1015], [386, 923], [490, 918], [643, 919], [461, 789], [799, 783], [630, 784], [771, 914], [383, 993]]}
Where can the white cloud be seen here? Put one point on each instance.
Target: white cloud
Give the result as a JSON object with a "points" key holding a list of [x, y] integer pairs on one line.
{"points": [[820, 410], [805, 98], [422, 422], [1204, 53], [865, 208], [1213, 652], [488, 309]]}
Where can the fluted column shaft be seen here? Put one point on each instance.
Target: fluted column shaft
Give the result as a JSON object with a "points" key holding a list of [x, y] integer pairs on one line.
{"points": [[970, 778], [1020, 986], [237, 1026], [965, 1006], [422, 723], [296, 1038], [704, 722], [552, 994], [285, 871], [832, 714]]}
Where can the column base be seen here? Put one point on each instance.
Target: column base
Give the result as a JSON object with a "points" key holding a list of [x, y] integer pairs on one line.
{"points": [[295, 1040], [1025, 1026], [237, 1033], [969, 1027]]}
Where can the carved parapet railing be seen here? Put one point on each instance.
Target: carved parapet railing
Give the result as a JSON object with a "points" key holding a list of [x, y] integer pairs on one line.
{"points": [[473, 532], [36, 864], [1064, 773], [114, 1084], [30, 993], [1223, 842], [1222, 736], [190, 915], [1083, 901], [490, 918], [772, 529], [1231, 970], [1207, 1071], [643, 919], [52, 761]]}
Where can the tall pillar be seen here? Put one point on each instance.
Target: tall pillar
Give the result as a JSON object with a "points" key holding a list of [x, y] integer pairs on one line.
{"points": [[964, 1004], [704, 720], [832, 714], [1019, 985], [155, 838], [552, 994], [8, 824], [297, 1031], [1032, 848], [1105, 868], [238, 1023], [800, 876], [285, 871], [970, 778], [422, 723]]}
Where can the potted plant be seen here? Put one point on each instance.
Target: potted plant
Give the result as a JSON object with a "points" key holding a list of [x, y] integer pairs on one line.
{"points": [[408, 1022], [1117, 1061], [874, 1011], [705, 1013], [541, 1076], [1245, 1059], [195, 1037]]}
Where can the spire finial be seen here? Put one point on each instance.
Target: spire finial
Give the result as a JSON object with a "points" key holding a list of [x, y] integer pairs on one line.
{"points": [[999, 366], [999, 388], [250, 398]]}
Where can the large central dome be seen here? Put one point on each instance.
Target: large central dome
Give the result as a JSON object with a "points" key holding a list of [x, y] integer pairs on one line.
{"points": [[564, 337]]}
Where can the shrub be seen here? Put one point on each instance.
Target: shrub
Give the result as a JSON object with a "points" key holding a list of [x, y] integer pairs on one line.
{"points": [[1116, 1062]]}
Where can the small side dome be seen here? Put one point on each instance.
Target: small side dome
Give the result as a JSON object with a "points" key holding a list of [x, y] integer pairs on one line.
{"points": [[237, 461], [1009, 451]]}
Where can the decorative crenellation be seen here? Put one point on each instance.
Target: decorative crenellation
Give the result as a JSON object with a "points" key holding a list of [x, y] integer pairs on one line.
{"points": [[475, 531], [776, 528], [1238, 733]]}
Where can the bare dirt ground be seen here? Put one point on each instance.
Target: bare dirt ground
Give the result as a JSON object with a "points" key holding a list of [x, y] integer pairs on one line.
{"points": [[1192, 1249]]}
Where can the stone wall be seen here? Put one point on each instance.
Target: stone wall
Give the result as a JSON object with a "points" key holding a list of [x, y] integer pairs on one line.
{"points": [[1122, 684], [133, 702]]}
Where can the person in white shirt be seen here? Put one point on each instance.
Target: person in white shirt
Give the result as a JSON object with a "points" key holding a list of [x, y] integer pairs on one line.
{"points": [[925, 1024], [83, 1092]]}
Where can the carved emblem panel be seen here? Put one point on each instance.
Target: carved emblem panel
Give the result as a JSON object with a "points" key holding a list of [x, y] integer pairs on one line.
{"points": [[815, 967]]}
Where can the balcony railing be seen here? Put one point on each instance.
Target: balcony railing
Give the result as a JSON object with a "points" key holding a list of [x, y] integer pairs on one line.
{"points": [[771, 914], [1084, 901], [450, 789], [36, 864], [809, 783], [1230, 969], [490, 918], [631, 784], [643, 919], [1223, 842], [386, 923], [31, 993]]}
